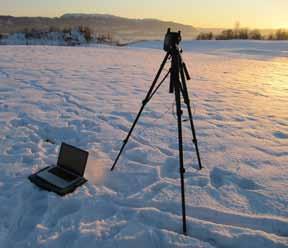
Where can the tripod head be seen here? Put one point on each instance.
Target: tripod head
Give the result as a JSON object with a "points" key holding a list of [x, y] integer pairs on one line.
{"points": [[172, 40], [178, 67]]}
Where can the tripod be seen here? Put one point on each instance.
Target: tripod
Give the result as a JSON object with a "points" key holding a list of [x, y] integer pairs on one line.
{"points": [[178, 75]]}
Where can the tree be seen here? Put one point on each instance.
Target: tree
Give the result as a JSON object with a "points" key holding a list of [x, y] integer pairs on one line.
{"points": [[87, 32], [271, 37], [227, 34], [243, 34], [53, 29], [255, 35], [281, 34], [205, 36], [66, 30]]}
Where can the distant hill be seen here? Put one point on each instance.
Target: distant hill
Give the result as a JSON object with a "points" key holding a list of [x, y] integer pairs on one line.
{"points": [[124, 29]]}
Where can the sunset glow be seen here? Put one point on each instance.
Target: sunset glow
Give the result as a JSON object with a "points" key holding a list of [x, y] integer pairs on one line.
{"points": [[206, 13]]}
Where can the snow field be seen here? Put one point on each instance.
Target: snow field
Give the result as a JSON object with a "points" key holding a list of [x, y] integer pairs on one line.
{"points": [[89, 97]]}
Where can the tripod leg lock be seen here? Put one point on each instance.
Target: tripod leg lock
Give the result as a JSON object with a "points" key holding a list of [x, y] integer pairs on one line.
{"points": [[182, 170], [145, 101], [180, 113], [195, 141]]}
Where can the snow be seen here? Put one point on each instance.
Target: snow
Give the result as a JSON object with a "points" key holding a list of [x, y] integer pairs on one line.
{"points": [[254, 49], [88, 97]]}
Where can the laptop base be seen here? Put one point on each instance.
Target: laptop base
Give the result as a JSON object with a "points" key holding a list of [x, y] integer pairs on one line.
{"points": [[50, 187]]}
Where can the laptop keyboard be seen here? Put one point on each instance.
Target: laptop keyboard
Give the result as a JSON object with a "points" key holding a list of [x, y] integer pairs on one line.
{"points": [[63, 174]]}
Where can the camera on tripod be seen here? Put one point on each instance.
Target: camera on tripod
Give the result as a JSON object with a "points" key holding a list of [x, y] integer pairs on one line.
{"points": [[178, 75], [172, 40]]}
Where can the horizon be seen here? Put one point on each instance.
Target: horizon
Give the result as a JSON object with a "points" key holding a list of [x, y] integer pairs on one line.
{"points": [[207, 14], [143, 18]]}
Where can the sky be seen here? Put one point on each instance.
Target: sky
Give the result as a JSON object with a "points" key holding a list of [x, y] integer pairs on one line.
{"points": [[204, 13]]}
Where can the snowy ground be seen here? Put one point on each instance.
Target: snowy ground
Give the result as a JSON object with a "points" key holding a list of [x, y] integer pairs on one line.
{"points": [[238, 48], [88, 97]]}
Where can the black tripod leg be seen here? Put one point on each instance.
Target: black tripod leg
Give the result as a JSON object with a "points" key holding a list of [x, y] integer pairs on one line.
{"points": [[145, 101], [181, 160], [177, 91], [187, 102]]}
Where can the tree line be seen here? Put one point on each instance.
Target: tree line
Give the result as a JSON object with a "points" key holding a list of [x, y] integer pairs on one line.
{"points": [[38, 34], [244, 34], [66, 33]]}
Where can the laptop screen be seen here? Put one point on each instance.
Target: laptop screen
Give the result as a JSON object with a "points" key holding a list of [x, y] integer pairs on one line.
{"points": [[73, 159]]}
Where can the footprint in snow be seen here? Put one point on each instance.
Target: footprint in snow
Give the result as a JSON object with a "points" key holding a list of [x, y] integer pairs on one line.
{"points": [[280, 135], [220, 177], [29, 211], [3, 74], [64, 208]]}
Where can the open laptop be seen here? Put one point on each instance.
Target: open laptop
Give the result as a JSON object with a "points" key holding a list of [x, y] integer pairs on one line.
{"points": [[69, 169]]}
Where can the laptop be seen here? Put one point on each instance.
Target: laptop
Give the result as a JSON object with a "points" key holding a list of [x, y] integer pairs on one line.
{"points": [[70, 167]]}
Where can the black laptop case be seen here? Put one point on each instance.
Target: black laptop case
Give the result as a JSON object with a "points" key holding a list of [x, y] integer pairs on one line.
{"points": [[67, 156], [50, 187]]}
